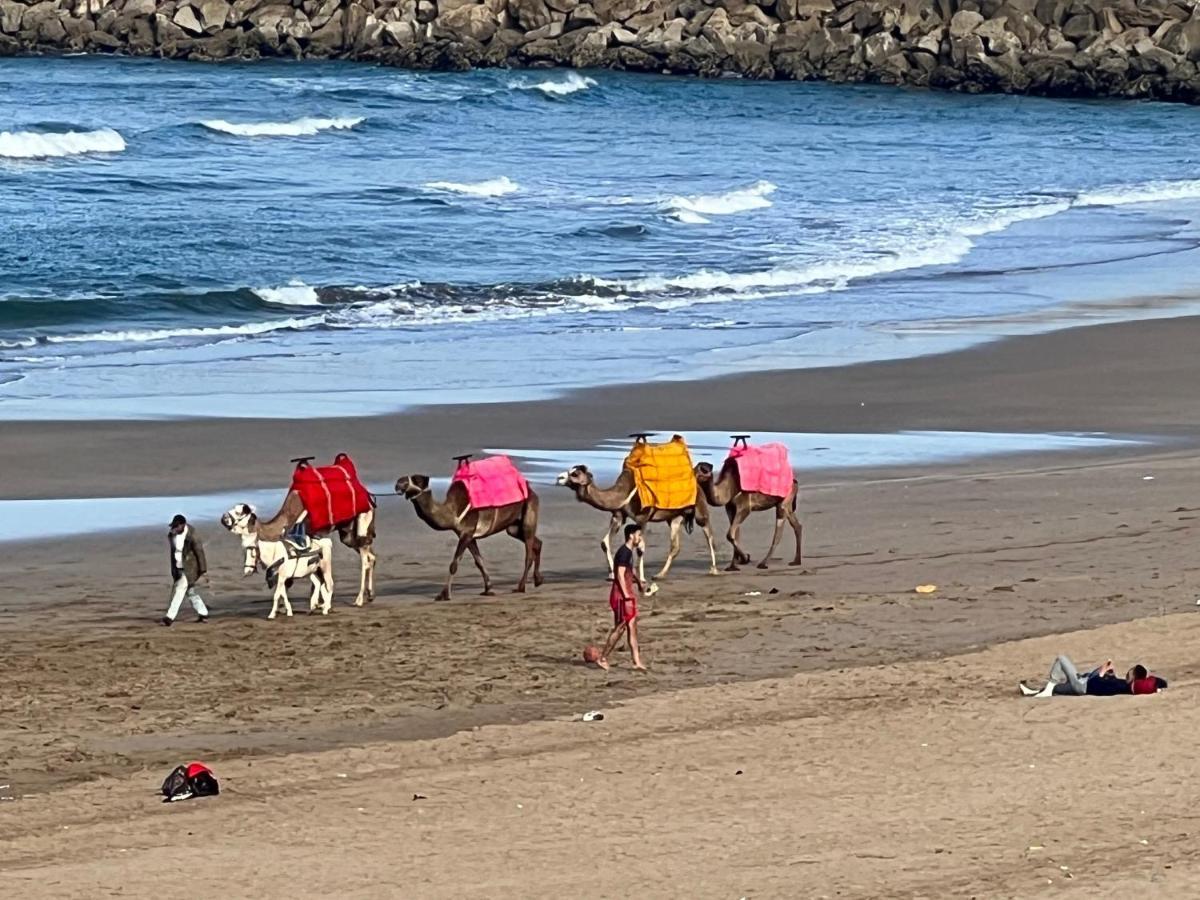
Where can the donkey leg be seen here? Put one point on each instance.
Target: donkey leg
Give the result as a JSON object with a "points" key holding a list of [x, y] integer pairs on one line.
{"points": [[463, 540], [281, 595], [315, 598]]}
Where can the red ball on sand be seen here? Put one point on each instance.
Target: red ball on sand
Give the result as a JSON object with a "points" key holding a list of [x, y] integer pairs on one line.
{"points": [[591, 653]]}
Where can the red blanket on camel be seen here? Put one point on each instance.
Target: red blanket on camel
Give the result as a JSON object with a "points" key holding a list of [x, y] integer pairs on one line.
{"points": [[331, 494]]}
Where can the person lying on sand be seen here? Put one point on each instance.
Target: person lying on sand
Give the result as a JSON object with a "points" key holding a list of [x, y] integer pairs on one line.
{"points": [[622, 597], [1102, 681]]}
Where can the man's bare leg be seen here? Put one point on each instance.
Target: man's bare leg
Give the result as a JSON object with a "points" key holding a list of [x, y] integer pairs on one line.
{"points": [[613, 637], [633, 646]]}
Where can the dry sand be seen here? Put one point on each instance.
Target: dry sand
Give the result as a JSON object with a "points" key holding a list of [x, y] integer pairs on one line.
{"points": [[884, 751]]}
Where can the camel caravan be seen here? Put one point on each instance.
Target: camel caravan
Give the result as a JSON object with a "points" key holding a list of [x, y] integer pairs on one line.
{"points": [[658, 482]]}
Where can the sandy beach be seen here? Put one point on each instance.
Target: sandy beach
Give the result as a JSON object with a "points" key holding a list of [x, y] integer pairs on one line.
{"points": [[802, 733]]}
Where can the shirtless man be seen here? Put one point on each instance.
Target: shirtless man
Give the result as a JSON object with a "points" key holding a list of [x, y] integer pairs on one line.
{"points": [[623, 597]]}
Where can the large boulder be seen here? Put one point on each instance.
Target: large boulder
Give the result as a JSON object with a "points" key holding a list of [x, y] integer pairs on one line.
{"points": [[185, 17], [10, 16], [296, 26], [213, 14], [618, 10], [592, 51], [531, 14], [584, 16], [329, 38], [965, 22], [104, 42], [475, 22]]}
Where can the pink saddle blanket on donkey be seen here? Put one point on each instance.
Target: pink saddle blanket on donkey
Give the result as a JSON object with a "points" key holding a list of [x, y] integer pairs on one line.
{"points": [[764, 468], [492, 481]]}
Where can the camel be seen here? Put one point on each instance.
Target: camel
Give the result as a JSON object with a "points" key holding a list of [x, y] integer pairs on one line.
{"points": [[623, 502], [727, 491], [357, 533], [455, 513], [283, 563]]}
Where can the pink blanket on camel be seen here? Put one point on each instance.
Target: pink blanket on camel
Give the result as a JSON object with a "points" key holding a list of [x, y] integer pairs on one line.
{"points": [[493, 481], [764, 468]]}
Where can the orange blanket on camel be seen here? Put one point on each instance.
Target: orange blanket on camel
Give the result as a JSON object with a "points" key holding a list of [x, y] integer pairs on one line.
{"points": [[492, 481], [331, 494], [663, 474]]}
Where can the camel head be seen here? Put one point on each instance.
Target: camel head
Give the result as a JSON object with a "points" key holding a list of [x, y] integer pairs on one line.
{"points": [[240, 519], [704, 472], [412, 486], [576, 479]]}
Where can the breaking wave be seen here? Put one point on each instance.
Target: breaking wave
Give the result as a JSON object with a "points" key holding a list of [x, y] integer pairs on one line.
{"points": [[493, 187], [572, 84], [46, 145], [693, 210], [1148, 192], [304, 127]]}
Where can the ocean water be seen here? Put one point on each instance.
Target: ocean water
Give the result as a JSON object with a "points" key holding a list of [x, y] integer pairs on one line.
{"points": [[188, 240]]}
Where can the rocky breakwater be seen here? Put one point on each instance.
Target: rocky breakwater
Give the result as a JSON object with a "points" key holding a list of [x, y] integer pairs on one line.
{"points": [[1133, 48]]}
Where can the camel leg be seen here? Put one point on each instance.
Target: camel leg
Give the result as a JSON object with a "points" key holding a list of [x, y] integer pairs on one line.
{"points": [[538, 580], [463, 540], [798, 528], [364, 568], [614, 524], [712, 548], [779, 520], [676, 526], [739, 556], [479, 564]]}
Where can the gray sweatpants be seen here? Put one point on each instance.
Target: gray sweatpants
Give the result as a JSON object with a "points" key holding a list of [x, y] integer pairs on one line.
{"points": [[1069, 680]]}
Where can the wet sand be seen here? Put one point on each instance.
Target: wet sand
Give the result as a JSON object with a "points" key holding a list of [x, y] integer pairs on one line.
{"points": [[820, 685]]}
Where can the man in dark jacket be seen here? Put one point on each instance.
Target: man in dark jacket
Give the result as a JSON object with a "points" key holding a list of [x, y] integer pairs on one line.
{"points": [[188, 566]]}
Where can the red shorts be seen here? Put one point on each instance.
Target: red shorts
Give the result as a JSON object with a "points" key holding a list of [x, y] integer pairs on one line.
{"points": [[624, 611]]}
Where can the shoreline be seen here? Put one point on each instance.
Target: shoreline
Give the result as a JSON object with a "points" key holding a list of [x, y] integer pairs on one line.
{"points": [[1122, 378]]}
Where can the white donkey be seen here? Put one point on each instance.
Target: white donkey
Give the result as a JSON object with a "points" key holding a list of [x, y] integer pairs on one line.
{"points": [[284, 562]]}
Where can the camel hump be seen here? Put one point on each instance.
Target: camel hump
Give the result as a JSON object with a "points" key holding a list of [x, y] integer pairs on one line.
{"points": [[492, 481], [663, 474], [763, 468]]}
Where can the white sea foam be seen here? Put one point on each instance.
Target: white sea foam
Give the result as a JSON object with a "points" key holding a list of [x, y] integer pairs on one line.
{"points": [[493, 187], [139, 336], [694, 209], [44, 145], [572, 84], [294, 293], [1149, 192], [18, 344], [298, 128]]}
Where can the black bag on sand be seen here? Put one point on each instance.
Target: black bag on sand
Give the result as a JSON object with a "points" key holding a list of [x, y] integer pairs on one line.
{"points": [[193, 780]]}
